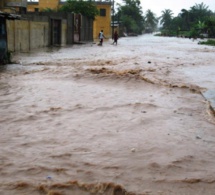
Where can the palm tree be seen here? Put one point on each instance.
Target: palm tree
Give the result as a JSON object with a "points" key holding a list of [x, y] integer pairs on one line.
{"points": [[166, 18], [150, 21], [185, 15], [131, 16], [199, 12]]}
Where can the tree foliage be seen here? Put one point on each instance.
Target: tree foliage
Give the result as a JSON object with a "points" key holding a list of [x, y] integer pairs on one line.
{"points": [[166, 18], [199, 12], [196, 21], [86, 8], [131, 17], [150, 21], [49, 10]]}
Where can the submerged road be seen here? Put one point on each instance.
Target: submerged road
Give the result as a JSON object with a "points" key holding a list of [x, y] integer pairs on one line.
{"points": [[136, 118]]}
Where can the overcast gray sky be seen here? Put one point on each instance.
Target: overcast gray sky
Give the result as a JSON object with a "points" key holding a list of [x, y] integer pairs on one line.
{"points": [[157, 6]]}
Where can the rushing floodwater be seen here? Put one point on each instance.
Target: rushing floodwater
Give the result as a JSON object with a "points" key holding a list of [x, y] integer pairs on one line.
{"points": [[126, 119]]}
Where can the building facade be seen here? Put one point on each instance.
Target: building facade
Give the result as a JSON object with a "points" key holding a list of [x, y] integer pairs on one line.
{"points": [[101, 22], [23, 25], [13, 6]]}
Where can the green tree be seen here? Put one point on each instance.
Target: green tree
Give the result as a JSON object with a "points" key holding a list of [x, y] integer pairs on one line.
{"points": [[199, 12], [131, 16], [166, 18], [49, 10], [210, 25], [189, 23], [201, 26], [86, 8], [185, 16], [176, 24], [150, 21]]}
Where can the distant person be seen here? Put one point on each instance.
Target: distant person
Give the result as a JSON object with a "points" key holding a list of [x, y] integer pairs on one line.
{"points": [[101, 37], [115, 37]]}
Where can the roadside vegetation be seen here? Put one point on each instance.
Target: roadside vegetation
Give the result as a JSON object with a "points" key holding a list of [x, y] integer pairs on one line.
{"points": [[197, 22], [208, 42]]}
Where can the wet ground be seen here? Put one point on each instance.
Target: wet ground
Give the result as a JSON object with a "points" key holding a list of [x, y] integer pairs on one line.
{"points": [[125, 119]]}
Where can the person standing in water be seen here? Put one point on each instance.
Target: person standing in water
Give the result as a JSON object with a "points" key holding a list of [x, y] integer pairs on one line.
{"points": [[101, 37], [115, 37]]}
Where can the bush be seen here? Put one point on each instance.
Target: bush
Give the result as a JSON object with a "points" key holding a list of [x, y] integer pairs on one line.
{"points": [[208, 42]]}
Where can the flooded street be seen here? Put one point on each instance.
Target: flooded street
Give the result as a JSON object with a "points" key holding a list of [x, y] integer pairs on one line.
{"points": [[126, 119]]}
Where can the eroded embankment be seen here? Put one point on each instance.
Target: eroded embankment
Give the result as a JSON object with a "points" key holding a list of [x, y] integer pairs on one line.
{"points": [[141, 75], [71, 187]]}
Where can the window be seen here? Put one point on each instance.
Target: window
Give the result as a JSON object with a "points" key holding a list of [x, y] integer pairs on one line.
{"points": [[36, 9], [102, 12]]}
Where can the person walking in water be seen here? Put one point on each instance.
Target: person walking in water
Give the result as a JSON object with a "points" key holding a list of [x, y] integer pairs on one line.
{"points": [[115, 37], [101, 37]]}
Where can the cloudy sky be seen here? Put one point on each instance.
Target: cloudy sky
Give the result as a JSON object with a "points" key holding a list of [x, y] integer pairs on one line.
{"points": [[157, 6]]}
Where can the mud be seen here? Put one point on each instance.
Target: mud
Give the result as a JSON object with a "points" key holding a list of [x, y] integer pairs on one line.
{"points": [[125, 119]]}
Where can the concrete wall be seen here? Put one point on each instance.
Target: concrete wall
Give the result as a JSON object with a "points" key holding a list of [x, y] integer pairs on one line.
{"points": [[64, 32], [24, 35], [35, 31], [39, 33]]}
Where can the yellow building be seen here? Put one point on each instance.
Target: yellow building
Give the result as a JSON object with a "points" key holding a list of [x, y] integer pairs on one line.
{"points": [[38, 6], [101, 22]]}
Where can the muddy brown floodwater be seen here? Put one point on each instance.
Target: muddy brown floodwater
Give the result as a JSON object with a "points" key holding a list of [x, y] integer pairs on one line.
{"points": [[126, 119]]}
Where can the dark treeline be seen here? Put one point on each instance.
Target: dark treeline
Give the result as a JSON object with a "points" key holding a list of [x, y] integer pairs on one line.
{"points": [[198, 21]]}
